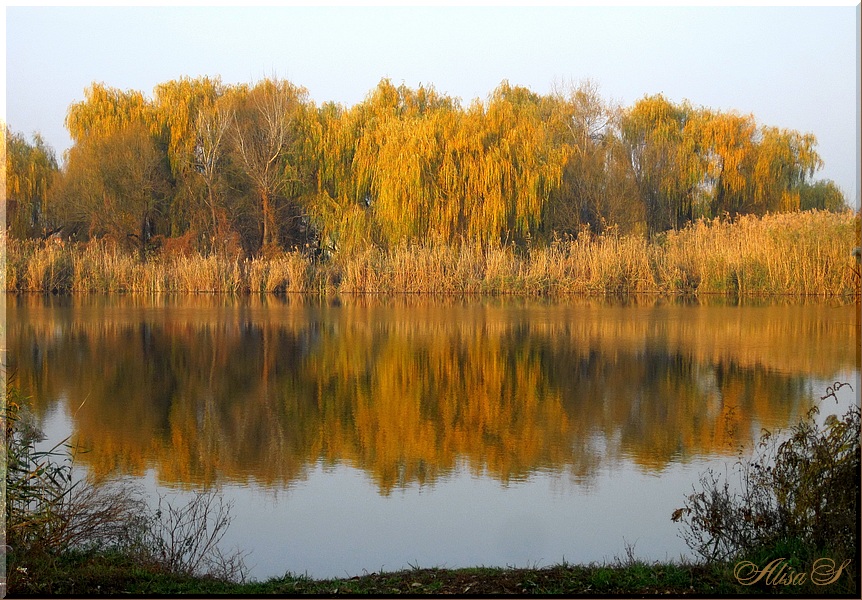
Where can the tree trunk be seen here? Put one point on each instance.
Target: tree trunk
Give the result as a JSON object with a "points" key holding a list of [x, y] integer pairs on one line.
{"points": [[214, 232], [268, 218], [142, 240]]}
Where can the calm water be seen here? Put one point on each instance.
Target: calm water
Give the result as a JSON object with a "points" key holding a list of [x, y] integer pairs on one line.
{"points": [[377, 433]]}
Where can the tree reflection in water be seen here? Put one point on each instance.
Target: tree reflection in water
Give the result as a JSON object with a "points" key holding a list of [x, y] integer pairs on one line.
{"points": [[206, 388]]}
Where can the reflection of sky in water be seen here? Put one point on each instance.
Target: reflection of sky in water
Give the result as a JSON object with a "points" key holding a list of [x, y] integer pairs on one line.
{"points": [[336, 523]]}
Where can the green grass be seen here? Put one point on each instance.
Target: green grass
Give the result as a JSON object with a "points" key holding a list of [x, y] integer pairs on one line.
{"points": [[109, 574]]}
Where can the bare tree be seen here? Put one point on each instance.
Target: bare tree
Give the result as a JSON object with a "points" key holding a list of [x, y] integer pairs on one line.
{"points": [[211, 136], [264, 128]]}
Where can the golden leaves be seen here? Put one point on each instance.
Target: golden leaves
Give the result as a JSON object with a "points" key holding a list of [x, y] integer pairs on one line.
{"points": [[705, 163], [106, 110], [417, 166], [29, 170]]}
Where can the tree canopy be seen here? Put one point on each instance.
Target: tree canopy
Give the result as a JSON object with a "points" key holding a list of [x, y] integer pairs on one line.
{"points": [[264, 165]]}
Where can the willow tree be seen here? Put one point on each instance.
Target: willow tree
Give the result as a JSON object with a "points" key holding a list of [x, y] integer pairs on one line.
{"points": [[263, 164], [728, 142], [117, 180], [30, 170], [519, 167], [398, 159], [106, 110], [335, 217], [117, 185], [375, 118], [177, 104], [265, 129], [176, 107], [457, 151], [822, 195], [428, 170], [338, 208], [661, 138], [785, 161]]}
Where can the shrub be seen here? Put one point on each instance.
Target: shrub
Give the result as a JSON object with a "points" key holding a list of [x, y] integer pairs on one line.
{"points": [[799, 492], [45, 509], [51, 513], [186, 539]]}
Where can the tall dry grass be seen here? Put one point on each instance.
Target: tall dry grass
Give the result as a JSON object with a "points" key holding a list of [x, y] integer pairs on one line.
{"points": [[793, 253], [797, 253]]}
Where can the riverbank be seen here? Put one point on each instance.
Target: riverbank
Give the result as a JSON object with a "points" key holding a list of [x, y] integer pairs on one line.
{"points": [[115, 575], [112, 575], [806, 253]]}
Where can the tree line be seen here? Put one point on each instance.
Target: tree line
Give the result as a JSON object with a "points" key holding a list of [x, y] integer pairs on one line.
{"points": [[214, 167]]}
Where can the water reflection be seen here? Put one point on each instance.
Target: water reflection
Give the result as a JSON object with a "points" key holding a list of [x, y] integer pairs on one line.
{"points": [[219, 388]]}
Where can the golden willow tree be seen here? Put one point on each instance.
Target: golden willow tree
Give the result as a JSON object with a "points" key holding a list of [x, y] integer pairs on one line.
{"points": [[262, 166], [397, 162], [116, 180], [106, 110], [728, 142], [786, 161], [30, 169], [338, 198], [519, 168], [755, 170], [178, 106], [429, 171], [661, 138], [697, 162], [119, 187]]}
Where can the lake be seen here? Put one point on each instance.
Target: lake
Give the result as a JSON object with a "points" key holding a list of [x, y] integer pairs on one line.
{"points": [[372, 433]]}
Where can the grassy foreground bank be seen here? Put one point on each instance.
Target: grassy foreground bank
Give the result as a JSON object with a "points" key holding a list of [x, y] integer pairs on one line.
{"points": [[80, 574], [806, 253]]}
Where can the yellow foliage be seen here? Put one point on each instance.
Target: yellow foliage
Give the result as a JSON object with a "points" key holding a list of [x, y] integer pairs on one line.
{"points": [[264, 164]]}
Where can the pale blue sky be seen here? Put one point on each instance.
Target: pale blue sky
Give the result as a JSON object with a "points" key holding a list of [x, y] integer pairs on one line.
{"points": [[793, 67]]}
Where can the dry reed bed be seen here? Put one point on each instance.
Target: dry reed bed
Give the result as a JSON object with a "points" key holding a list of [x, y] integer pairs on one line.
{"points": [[794, 253]]}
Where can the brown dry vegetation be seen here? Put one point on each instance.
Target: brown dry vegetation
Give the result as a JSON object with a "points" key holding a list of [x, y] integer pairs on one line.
{"points": [[805, 253]]}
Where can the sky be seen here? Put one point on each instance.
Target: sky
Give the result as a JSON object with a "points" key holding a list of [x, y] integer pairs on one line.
{"points": [[793, 67]]}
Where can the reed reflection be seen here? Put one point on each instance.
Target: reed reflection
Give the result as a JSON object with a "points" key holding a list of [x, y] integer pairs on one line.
{"points": [[222, 388]]}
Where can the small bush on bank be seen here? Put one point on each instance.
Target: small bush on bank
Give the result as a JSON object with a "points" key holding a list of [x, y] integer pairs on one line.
{"points": [[798, 499], [51, 515], [46, 510]]}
